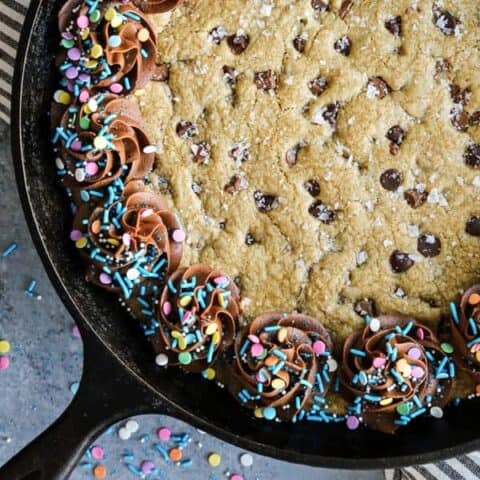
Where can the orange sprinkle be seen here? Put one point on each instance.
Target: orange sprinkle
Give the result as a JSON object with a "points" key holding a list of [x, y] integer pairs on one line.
{"points": [[100, 471], [474, 298], [96, 226], [175, 454], [477, 389], [271, 360]]}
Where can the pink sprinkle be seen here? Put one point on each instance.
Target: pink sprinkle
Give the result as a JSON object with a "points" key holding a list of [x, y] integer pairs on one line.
{"points": [[420, 333], [379, 362], [116, 87], [75, 235], [475, 348], [414, 353], [164, 434], [236, 476], [71, 73], [417, 372], [126, 239], [91, 168], [353, 423], [97, 452], [186, 317], [319, 347], [74, 54], [220, 280], [167, 308], [147, 466], [82, 21], [256, 349], [70, 86], [147, 212], [84, 96], [76, 145], [178, 235], [254, 339], [105, 279], [75, 331], [4, 362], [67, 36]]}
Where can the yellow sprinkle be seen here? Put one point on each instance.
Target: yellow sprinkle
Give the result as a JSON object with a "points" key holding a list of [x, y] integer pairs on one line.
{"points": [[214, 459], [403, 367], [477, 356], [81, 242], [278, 384], [182, 344], [221, 300], [258, 412], [91, 64], [184, 301], [216, 338], [113, 241], [63, 97], [116, 21], [109, 14], [96, 51], [209, 373], [143, 35], [211, 328], [84, 33], [386, 401], [4, 346], [100, 142], [176, 334]]}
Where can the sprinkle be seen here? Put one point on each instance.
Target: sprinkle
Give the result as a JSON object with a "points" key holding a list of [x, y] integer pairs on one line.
{"points": [[116, 88], [414, 353], [185, 358], [114, 41], [214, 459], [319, 347], [403, 409], [178, 235], [161, 360], [143, 35], [100, 471], [209, 374], [150, 149], [352, 422], [236, 476], [256, 350], [74, 387], [379, 362], [124, 434], [4, 346], [82, 21], [332, 365], [97, 452], [436, 412], [454, 312], [147, 467], [374, 325], [4, 362], [357, 353], [175, 454], [269, 413], [105, 279], [447, 347], [132, 426], [474, 299], [9, 250]]}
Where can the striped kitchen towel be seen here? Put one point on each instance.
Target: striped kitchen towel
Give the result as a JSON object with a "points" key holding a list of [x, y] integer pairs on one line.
{"points": [[12, 13]]}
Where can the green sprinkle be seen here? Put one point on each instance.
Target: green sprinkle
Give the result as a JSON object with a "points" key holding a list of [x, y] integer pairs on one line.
{"points": [[84, 123], [185, 358], [447, 347], [403, 409]]}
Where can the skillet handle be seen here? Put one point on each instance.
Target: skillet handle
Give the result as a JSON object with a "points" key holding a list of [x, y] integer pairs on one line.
{"points": [[107, 394]]}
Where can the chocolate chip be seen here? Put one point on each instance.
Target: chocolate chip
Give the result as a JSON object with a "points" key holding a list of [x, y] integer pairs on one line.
{"points": [[377, 87], [312, 187], [238, 42], [475, 119], [266, 80], [319, 211], [396, 134], [473, 226], [415, 198], [222, 225], [163, 186], [265, 202], [201, 152], [236, 183], [343, 45], [330, 113], [249, 239], [364, 307], [441, 67], [161, 73], [299, 43], [217, 34], [445, 21], [318, 85], [345, 7], [186, 129], [459, 118], [460, 95], [391, 179], [429, 245], [320, 5], [400, 261], [394, 26], [230, 75], [291, 155], [472, 155], [240, 152], [394, 148]]}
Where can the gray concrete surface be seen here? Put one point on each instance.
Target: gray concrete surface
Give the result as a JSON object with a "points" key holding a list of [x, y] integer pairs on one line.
{"points": [[46, 361]]}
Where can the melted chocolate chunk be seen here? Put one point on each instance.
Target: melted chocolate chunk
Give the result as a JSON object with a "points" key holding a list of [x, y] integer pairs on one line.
{"points": [[266, 80], [377, 87], [400, 262], [249, 239], [393, 148], [364, 307], [312, 187], [238, 42], [330, 113], [186, 129], [321, 212], [162, 72], [391, 179], [396, 134], [265, 202], [320, 5], [445, 21], [441, 67], [429, 245], [230, 75], [222, 225], [240, 152], [236, 183], [217, 34], [473, 226], [345, 7], [343, 45], [318, 85], [474, 120], [394, 26], [201, 152], [472, 155], [299, 43], [460, 95], [415, 198], [459, 119]]}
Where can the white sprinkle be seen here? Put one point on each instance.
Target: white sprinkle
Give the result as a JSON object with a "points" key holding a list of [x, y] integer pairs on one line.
{"points": [[387, 243], [150, 149], [362, 257], [246, 460], [436, 412], [476, 181], [60, 165], [332, 365], [161, 360], [132, 426], [79, 174], [132, 273], [374, 325], [124, 434]]}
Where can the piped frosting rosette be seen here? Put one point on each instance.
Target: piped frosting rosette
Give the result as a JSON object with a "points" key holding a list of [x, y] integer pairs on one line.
{"points": [[198, 315], [99, 143], [283, 367], [465, 332], [131, 246], [395, 370], [105, 45]]}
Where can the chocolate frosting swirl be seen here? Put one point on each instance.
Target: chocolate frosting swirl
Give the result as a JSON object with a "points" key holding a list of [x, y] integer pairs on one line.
{"points": [[129, 242], [112, 46], [395, 373], [465, 331], [101, 141], [282, 366], [198, 316], [156, 6]]}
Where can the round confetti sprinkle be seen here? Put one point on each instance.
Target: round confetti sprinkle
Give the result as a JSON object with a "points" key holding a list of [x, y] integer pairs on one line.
{"points": [[92, 105], [100, 142], [4, 346], [97, 452], [185, 358], [74, 387], [374, 324], [209, 373], [143, 35], [403, 409], [175, 454], [4, 362], [124, 434], [75, 235], [100, 471], [91, 168], [353, 422], [105, 278], [236, 476], [116, 88], [379, 362], [246, 460], [178, 235], [269, 413], [414, 353], [71, 73], [161, 360], [74, 54], [96, 51], [436, 412], [319, 347], [132, 426], [114, 41], [132, 273], [332, 365], [147, 467], [214, 459], [417, 372], [75, 331], [447, 347], [164, 434], [256, 350], [83, 21]]}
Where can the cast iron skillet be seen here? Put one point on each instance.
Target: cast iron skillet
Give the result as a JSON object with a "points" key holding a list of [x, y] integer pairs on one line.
{"points": [[120, 377]]}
